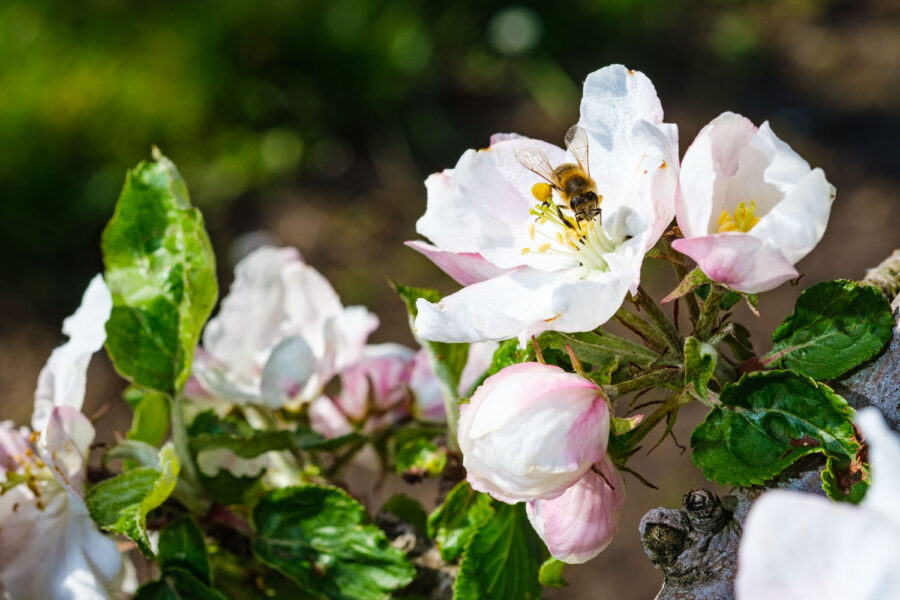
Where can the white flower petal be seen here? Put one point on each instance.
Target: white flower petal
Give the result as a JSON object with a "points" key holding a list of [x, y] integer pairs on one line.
{"points": [[712, 158], [62, 380], [213, 460], [799, 546], [633, 155], [326, 418], [66, 442], [290, 368], [483, 205], [883, 494]]}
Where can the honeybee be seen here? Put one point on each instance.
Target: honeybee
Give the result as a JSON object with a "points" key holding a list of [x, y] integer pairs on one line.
{"points": [[572, 181]]}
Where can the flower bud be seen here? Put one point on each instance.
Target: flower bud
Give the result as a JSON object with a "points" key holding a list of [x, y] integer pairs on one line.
{"points": [[531, 431], [581, 523]]}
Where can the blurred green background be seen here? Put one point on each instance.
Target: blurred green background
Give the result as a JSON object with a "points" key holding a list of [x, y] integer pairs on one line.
{"points": [[315, 123]]}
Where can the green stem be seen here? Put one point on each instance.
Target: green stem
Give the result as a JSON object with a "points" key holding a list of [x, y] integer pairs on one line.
{"points": [[710, 312], [664, 325], [648, 380], [642, 328], [182, 442], [653, 419]]}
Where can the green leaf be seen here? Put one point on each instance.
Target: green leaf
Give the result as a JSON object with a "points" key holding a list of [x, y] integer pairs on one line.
{"points": [[150, 422], [181, 546], [307, 439], [454, 522], [699, 366], [320, 538], [177, 584], [446, 360], [835, 327], [420, 457], [407, 509], [502, 560], [768, 420], [622, 425], [509, 353], [691, 281], [599, 348], [845, 481], [245, 446], [121, 504], [161, 271], [738, 340], [551, 574]]}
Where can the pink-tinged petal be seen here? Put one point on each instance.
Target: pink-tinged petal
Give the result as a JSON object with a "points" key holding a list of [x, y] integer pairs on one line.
{"points": [[465, 268], [66, 442], [62, 380], [633, 155], [505, 137], [581, 523], [427, 389], [738, 260], [531, 431], [712, 158], [483, 205], [327, 419], [13, 446], [378, 381]]}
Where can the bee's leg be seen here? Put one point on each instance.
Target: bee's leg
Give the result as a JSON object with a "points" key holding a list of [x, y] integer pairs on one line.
{"points": [[563, 217]]}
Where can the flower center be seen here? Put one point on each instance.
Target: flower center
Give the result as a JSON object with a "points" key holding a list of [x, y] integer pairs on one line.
{"points": [[743, 220], [556, 231]]}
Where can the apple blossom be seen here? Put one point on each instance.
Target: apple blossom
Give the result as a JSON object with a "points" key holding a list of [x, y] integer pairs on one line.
{"points": [[799, 546], [527, 268], [43, 517], [428, 392], [581, 523], [531, 431], [281, 333], [749, 206]]}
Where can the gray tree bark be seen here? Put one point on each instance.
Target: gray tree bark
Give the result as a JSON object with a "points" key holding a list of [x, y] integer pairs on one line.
{"points": [[696, 546]]}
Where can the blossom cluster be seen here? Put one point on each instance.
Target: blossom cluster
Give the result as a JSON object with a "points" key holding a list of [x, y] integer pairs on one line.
{"points": [[747, 205], [540, 238]]}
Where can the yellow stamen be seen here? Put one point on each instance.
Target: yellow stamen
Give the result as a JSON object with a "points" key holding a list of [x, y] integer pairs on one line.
{"points": [[544, 247], [744, 218], [526, 250], [531, 230]]}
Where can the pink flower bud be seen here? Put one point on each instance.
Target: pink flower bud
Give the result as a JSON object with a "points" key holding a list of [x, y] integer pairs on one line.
{"points": [[531, 431], [581, 523]]}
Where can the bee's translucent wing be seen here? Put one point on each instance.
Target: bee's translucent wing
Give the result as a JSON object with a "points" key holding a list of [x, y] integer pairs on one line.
{"points": [[577, 143], [537, 162]]}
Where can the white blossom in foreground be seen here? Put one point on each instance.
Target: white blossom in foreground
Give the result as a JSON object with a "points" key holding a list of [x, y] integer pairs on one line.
{"points": [[749, 206], [581, 523], [798, 546], [528, 267], [50, 548], [281, 333], [531, 431]]}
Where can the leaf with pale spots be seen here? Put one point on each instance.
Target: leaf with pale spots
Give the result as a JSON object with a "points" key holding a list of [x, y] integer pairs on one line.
{"points": [[121, 504]]}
